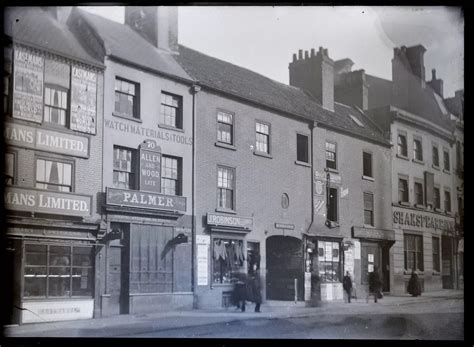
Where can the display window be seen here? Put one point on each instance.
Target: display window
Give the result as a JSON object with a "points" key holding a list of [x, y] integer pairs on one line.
{"points": [[329, 261], [228, 259]]}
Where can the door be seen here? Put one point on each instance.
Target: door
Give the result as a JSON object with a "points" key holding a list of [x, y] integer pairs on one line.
{"points": [[386, 268], [370, 259], [447, 265], [118, 281]]}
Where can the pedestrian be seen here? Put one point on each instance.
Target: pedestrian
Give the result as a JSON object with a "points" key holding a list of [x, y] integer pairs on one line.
{"points": [[347, 285], [254, 288], [375, 284], [414, 286], [239, 292]]}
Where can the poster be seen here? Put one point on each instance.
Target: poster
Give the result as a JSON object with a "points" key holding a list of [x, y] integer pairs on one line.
{"points": [[356, 249], [349, 261], [202, 265], [83, 100], [371, 267], [28, 86], [370, 257]]}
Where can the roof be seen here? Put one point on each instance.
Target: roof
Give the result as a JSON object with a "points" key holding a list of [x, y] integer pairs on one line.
{"points": [[35, 27], [243, 83], [124, 43]]}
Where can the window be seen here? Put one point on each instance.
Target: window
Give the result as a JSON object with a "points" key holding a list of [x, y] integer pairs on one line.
{"points": [[55, 105], [302, 151], [228, 259], [417, 149], [369, 209], [459, 157], [331, 156], [329, 261], [437, 198], [332, 204], [402, 190], [436, 266], [9, 168], [262, 143], [447, 201], [435, 156], [402, 145], [225, 188], [413, 249], [53, 175], [447, 166], [367, 163], [124, 168], [171, 106], [58, 271], [418, 193], [170, 175], [225, 127], [126, 98]]}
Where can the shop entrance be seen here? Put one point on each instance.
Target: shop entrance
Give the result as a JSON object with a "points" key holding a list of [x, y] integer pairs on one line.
{"points": [[118, 256], [284, 259], [370, 259], [447, 258]]}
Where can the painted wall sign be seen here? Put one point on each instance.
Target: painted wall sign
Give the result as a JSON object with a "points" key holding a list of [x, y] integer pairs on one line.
{"points": [[134, 198], [28, 85], [229, 221], [318, 206], [150, 167], [45, 140], [344, 192], [83, 100], [284, 226], [59, 310], [421, 220], [153, 133], [378, 234], [319, 187], [334, 178], [44, 201]]}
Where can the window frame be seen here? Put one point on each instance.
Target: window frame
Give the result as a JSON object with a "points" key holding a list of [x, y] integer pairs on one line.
{"points": [[232, 132], [437, 254], [372, 211], [437, 197], [418, 253], [136, 100], [234, 183], [446, 190], [179, 121], [268, 136], [433, 147], [335, 155], [417, 139], [179, 180], [229, 238], [71, 162], [403, 134], [67, 115], [134, 167], [328, 194], [321, 243], [308, 152], [418, 183], [364, 152], [446, 151], [406, 179]]}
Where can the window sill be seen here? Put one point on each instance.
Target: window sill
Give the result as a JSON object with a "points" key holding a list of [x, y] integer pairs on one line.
{"points": [[436, 167], [302, 163], [115, 114], [436, 273], [408, 272], [368, 178], [225, 145], [224, 210], [421, 162], [263, 154], [404, 203], [368, 226], [438, 210], [402, 157], [420, 207], [169, 127], [447, 171], [448, 213], [334, 171]]}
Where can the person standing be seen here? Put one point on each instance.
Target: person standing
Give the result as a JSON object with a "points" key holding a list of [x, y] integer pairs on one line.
{"points": [[414, 286], [347, 285], [375, 284], [255, 288]]}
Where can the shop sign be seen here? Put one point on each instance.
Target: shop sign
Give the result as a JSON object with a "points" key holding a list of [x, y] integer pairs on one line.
{"points": [[333, 178], [44, 201], [229, 221], [48, 311], [421, 221], [150, 167], [45, 140], [83, 100], [139, 199], [284, 226], [28, 86], [379, 234]]}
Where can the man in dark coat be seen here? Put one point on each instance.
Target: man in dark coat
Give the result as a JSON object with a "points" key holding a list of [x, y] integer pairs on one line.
{"points": [[414, 286], [255, 288], [375, 284], [347, 285], [239, 293]]}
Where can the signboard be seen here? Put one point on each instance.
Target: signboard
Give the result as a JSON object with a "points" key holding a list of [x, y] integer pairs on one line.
{"points": [[83, 100], [203, 242], [349, 261], [154, 201], [45, 201], [49, 311], [150, 167], [318, 187], [334, 178], [229, 221], [284, 226], [28, 85], [378, 234], [417, 220], [45, 140]]}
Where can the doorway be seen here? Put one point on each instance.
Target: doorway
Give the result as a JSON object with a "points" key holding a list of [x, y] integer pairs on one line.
{"points": [[447, 262], [370, 259], [118, 271]]}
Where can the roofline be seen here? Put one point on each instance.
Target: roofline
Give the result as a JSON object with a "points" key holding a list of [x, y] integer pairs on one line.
{"points": [[359, 136]]}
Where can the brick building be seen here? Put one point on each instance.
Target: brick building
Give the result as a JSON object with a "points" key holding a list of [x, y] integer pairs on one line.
{"points": [[53, 158]]}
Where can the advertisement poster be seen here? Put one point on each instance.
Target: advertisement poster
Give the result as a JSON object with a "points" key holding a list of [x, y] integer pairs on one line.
{"points": [[349, 261], [202, 264], [28, 86], [83, 100]]}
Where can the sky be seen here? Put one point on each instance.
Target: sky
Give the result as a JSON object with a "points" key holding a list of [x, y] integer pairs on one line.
{"points": [[264, 38]]}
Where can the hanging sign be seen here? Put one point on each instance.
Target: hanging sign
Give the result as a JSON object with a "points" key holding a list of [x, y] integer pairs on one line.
{"points": [[150, 167], [83, 100], [28, 86]]}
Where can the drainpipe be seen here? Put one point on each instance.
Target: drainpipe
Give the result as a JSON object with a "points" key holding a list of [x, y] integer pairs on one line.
{"points": [[195, 89]]}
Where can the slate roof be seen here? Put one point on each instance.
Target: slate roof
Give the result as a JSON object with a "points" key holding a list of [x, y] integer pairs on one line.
{"points": [[122, 42], [243, 83], [35, 27]]}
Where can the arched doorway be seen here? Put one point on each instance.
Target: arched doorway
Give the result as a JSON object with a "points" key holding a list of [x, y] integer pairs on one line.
{"points": [[284, 263]]}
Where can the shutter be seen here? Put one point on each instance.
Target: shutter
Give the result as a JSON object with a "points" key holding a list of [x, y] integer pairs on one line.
{"points": [[429, 188]]}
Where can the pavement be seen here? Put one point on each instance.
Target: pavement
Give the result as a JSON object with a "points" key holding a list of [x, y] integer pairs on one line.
{"points": [[126, 325]]}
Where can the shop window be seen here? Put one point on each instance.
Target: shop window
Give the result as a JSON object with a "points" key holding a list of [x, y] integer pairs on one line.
{"points": [[367, 163], [55, 105], [331, 156], [9, 168], [418, 193], [447, 201], [170, 175], [403, 190], [171, 110], [225, 188], [54, 175], [124, 168], [435, 156], [447, 165], [329, 261], [413, 251], [262, 136], [225, 127], [369, 209], [332, 204], [302, 148], [417, 149], [127, 98], [436, 266], [437, 197], [402, 149], [228, 259], [58, 271]]}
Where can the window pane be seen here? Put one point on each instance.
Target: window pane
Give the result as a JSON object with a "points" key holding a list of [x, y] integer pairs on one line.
{"points": [[82, 256], [82, 281], [35, 282], [35, 254]]}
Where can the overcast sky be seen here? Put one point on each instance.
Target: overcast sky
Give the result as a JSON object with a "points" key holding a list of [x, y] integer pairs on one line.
{"points": [[263, 39]]}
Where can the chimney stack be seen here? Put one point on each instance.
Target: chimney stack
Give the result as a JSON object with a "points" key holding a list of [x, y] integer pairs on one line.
{"points": [[436, 84]]}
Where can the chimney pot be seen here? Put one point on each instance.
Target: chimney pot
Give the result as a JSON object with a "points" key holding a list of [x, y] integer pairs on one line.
{"points": [[326, 52], [294, 57], [433, 74], [300, 54], [312, 52], [320, 50], [306, 54]]}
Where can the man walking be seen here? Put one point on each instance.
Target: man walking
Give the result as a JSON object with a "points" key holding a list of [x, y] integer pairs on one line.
{"points": [[375, 284], [347, 285]]}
